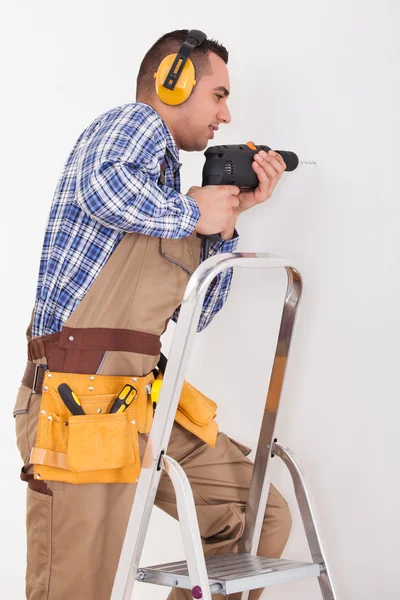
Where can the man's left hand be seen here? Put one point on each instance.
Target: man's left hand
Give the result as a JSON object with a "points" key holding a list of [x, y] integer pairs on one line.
{"points": [[268, 168]]}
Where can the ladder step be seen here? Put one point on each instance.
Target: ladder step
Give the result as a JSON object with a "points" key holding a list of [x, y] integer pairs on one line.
{"points": [[230, 573]]}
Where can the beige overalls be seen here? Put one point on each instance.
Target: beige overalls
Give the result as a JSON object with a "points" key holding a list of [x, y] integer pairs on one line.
{"points": [[75, 532]]}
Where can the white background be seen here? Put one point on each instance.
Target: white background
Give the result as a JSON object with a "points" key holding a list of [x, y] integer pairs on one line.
{"points": [[316, 77]]}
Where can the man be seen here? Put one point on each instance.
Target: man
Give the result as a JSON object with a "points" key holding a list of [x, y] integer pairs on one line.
{"points": [[120, 245]]}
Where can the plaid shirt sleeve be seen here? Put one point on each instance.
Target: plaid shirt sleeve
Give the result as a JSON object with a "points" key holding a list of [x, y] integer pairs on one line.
{"points": [[218, 290], [117, 175]]}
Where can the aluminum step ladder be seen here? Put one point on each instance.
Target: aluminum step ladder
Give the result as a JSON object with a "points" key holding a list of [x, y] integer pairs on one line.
{"points": [[226, 573]]}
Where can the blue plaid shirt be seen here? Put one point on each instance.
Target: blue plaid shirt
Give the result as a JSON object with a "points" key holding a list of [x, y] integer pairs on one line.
{"points": [[109, 186]]}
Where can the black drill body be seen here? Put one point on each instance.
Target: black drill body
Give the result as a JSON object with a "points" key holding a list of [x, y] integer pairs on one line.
{"points": [[231, 165]]}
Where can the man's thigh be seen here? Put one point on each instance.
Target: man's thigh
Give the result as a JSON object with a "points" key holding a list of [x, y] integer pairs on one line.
{"points": [[220, 480], [217, 475]]}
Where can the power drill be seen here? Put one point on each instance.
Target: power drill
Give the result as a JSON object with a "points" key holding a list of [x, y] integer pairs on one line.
{"points": [[231, 165]]}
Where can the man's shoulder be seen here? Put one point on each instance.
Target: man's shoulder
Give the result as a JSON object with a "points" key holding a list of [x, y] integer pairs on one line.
{"points": [[133, 112], [137, 122], [127, 132]]}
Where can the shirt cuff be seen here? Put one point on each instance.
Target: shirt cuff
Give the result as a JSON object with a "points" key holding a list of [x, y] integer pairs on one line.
{"points": [[225, 245], [189, 214]]}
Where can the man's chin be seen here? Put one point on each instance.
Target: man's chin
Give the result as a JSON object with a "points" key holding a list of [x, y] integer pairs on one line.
{"points": [[196, 145]]}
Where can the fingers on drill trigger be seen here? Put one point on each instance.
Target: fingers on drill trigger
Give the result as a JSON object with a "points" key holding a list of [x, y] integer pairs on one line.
{"points": [[281, 162], [271, 166], [262, 175], [276, 160]]}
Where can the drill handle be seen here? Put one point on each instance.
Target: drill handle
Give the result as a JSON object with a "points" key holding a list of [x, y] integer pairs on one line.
{"points": [[214, 237], [213, 180]]}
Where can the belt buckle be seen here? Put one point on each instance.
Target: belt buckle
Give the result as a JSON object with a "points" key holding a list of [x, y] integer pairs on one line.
{"points": [[36, 376]]}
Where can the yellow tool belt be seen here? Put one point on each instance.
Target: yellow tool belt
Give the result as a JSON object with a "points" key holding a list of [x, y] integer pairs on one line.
{"points": [[102, 447]]}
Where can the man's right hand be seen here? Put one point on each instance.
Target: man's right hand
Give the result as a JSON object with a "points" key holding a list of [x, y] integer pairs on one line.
{"points": [[218, 207]]}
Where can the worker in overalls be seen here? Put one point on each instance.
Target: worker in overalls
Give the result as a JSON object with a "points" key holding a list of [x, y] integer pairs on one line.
{"points": [[119, 248]]}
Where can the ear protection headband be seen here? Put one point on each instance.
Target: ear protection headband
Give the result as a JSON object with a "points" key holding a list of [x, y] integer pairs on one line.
{"points": [[176, 77]]}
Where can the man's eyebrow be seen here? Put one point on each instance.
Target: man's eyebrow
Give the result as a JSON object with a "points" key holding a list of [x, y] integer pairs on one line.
{"points": [[222, 89]]}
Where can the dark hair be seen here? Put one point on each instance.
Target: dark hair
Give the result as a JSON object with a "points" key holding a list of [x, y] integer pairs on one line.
{"points": [[170, 44]]}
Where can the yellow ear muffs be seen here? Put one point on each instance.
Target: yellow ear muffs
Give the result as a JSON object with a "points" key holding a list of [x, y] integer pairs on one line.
{"points": [[184, 85]]}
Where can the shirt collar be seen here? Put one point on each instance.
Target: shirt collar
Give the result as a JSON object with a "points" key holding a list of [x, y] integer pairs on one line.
{"points": [[172, 148]]}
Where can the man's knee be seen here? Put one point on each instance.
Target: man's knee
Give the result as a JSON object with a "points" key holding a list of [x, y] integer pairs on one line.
{"points": [[276, 527]]}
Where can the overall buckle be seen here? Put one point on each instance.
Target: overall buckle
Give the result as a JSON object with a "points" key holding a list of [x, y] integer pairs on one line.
{"points": [[36, 379]]}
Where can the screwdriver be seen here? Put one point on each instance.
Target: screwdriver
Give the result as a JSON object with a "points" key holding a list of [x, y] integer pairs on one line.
{"points": [[124, 398], [70, 399]]}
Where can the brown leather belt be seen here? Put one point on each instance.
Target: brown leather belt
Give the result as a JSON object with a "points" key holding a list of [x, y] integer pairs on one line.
{"points": [[33, 377], [75, 350]]}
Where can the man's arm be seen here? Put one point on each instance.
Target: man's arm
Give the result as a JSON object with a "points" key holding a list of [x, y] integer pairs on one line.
{"points": [[117, 184]]}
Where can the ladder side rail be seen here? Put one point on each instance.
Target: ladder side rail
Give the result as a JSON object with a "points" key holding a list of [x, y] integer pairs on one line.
{"points": [[168, 402], [190, 530], [309, 517], [260, 481]]}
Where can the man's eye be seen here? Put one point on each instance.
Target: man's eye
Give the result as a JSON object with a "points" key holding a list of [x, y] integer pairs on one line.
{"points": [[218, 96]]}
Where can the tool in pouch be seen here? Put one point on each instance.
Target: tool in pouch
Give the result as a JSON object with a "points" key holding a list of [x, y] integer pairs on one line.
{"points": [[124, 398], [155, 391], [72, 402], [70, 399]]}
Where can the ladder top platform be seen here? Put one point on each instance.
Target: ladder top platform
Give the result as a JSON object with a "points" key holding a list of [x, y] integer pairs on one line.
{"points": [[230, 573]]}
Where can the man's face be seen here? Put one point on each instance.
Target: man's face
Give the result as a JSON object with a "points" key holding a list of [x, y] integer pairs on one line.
{"points": [[206, 108]]}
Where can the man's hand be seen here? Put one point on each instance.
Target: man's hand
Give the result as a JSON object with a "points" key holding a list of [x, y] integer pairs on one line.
{"points": [[268, 168], [218, 206]]}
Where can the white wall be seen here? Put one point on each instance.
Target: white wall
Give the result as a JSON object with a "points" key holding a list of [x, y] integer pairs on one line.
{"points": [[316, 77]]}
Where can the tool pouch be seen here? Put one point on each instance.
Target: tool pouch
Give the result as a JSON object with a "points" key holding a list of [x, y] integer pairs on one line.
{"points": [[96, 447], [196, 413]]}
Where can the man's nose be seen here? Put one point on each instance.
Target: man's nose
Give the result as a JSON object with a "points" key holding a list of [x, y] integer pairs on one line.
{"points": [[224, 114]]}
